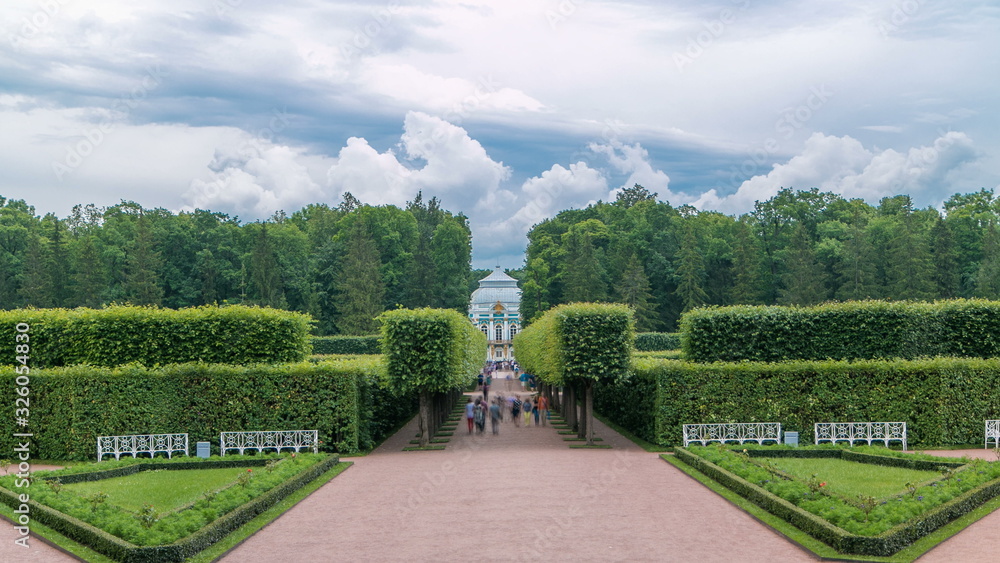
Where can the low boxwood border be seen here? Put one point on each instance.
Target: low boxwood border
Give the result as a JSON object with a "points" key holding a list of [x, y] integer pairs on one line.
{"points": [[821, 550], [883, 545], [121, 550], [70, 477], [860, 457]]}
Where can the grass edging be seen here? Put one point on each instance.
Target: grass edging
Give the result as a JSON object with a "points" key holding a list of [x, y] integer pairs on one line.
{"points": [[647, 446], [237, 537], [63, 543], [906, 555]]}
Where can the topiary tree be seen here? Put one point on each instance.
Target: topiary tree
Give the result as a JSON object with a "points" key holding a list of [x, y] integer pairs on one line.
{"points": [[579, 343], [430, 351]]}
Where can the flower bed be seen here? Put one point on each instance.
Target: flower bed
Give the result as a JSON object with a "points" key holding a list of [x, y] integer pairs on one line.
{"points": [[861, 525], [146, 534]]}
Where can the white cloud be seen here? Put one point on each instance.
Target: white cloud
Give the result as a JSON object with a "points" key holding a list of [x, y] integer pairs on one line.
{"points": [[255, 180], [634, 161], [453, 98], [454, 166], [842, 165], [542, 197]]}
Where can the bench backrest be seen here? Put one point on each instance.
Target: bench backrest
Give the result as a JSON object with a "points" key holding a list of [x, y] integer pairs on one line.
{"points": [[135, 444], [732, 432], [268, 439], [860, 431]]}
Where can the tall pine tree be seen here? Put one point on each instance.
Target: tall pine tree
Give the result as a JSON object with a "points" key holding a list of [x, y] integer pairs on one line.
{"points": [[690, 271], [585, 274], [360, 288], [634, 291], [803, 277]]}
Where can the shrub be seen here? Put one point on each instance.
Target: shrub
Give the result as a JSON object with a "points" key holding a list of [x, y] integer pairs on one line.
{"points": [[120, 335], [843, 331], [943, 401], [579, 342], [430, 352], [344, 400], [346, 344], [657, 341]]}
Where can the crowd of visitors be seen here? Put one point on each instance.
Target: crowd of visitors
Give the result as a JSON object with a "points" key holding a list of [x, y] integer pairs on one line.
{"points": [[505, 408]]}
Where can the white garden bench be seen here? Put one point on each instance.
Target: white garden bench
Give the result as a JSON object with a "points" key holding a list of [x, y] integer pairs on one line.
{"points": [[135, 444], [732, 432], [261, 440], [868, 432], [992, 431]]}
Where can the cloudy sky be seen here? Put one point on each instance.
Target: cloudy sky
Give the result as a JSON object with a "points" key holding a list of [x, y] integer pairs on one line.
{"points": [[506, 111]]}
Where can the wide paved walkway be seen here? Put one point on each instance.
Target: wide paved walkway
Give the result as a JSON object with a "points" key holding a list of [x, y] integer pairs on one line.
{"points": [[523, 495]]}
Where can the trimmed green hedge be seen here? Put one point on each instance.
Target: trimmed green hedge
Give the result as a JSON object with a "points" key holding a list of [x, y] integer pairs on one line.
{"points": [[902, 460], [629, 402], [346, 401], [657, 341], [152, 336], [578, 341], [121, 550], [884, 544], [437, 350], [843, 331], [346, 344], [943, 401]]}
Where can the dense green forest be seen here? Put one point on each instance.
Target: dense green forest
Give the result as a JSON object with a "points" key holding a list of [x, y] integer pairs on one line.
{"points": [[343, 265], [797, 248]]}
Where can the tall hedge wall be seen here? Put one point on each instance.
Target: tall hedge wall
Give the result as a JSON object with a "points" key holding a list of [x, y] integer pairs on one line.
{"points": [[437, 350], [944, 401], [843, 331], [346, 344], [151, 336], [578, 340], [71, 406], [630, 401], [657, 341]]}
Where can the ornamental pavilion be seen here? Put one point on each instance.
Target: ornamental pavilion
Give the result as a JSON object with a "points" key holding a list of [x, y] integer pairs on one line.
{"points": [[494, 309]]}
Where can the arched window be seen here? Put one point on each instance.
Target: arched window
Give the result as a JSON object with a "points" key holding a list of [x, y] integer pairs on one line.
{"points": [[513, 331], [498, 332], [485, 328]]}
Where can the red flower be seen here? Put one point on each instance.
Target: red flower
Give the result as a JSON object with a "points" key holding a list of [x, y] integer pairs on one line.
{"points": [[249, 470], [823, 484]]}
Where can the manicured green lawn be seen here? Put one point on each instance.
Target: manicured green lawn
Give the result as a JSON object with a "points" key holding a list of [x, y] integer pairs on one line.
{"points": [[851, 479], [166, 490]]}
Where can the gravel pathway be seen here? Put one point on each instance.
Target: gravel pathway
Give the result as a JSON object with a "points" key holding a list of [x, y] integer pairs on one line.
{"points": [[523, 495]]}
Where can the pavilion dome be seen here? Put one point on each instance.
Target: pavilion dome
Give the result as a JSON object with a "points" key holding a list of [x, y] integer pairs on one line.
{"points": [[497, 286]]}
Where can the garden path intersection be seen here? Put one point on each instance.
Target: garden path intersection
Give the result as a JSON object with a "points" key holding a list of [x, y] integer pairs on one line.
{"points": [[522, 495]]}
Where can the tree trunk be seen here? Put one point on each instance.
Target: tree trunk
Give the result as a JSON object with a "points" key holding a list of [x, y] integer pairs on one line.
{"points": [[425, 418], [556, 403], [569, 406], [581, 418], [590, 411]]}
